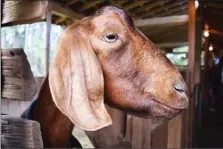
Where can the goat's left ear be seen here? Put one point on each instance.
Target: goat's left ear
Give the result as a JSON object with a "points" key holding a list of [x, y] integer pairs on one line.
{"points": [[76, 80]]}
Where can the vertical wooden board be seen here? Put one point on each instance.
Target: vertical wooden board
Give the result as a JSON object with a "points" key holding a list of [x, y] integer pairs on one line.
{"points": [[159, 137], [14, 108], [4, 106], [24, 105], [137, 124], [141, 132], [147, 127], [128, 129], [175, 132]]}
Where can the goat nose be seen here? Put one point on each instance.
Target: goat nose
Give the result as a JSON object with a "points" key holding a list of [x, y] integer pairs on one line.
{"points": [[179, 86]]}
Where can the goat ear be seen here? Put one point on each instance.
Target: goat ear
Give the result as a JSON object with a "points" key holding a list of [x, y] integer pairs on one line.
{"points": [[76, 81]]}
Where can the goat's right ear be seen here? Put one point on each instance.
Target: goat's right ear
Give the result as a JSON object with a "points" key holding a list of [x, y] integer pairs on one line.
{"points": [[76, 80]]}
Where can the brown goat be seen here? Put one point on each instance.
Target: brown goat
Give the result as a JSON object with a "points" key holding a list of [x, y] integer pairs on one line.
{"points": [[105, 53]]}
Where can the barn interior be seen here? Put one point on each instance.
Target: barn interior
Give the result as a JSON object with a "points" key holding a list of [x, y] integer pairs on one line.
{"points": [[188, 32]]}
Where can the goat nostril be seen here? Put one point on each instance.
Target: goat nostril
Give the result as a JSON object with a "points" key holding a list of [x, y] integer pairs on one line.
{"points": [[179, 87]]}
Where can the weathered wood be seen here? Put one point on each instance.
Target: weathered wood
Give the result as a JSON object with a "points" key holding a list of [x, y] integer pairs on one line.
{"points": [[190, 73], [141, 132], [171, 45], [159, 137], [65, 12], [162, 21], [90, 4], [48, 32], [20, 133], [21, 12], [175, 132], [17, 79], [16, 108]]}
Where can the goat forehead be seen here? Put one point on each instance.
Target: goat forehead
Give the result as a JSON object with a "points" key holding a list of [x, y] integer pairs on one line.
{"points": [[115, 10]]}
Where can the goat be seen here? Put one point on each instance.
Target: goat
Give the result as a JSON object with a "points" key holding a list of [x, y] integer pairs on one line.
{"points": [[105, 58]]}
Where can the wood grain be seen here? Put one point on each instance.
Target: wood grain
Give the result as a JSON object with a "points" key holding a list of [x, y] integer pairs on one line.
{"points": [[20, 133]]}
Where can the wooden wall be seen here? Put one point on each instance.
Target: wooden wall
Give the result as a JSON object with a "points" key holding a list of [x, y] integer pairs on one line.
{"points": [[16, 107]]}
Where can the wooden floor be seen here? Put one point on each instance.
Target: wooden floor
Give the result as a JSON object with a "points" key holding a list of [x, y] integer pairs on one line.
{"points": [[211, 133]]}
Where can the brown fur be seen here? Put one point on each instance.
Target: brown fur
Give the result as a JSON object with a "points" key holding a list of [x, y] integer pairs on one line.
{"points": [[137, 77]]}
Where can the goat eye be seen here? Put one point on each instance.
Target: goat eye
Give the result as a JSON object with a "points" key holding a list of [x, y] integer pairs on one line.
{"points": [[110, 37]]}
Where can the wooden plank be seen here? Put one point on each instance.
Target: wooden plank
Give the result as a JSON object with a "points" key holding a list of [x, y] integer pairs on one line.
{"points": [[4, 106], [22, 12], [48, 32], [175, 132], [65, 12], [128, 129], [141, 132], [90, 4], [20, 133], [18, 81], [162, 21], [191, 69], [159, 136], [134, 4], [171, 45], [148, 7], [137, 131]]}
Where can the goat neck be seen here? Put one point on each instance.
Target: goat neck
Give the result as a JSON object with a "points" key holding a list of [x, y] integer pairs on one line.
{"points": [[55, 127]]}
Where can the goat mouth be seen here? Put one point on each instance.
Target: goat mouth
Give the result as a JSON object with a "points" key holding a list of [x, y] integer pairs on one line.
{"points": [[163, 111]]}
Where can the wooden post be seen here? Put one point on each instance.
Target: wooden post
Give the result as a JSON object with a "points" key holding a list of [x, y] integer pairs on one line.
{"points": [[175, 132], [190, 79], [48, 31]]}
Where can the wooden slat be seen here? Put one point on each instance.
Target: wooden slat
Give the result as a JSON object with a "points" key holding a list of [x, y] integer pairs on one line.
{"points": [[65, 12], [22, 12], [168, 7], [175, 132], [134, 4], [90, 4], [163, 21], [171, 45], [159, 137], [171, 32], [141, 132], [148, 7], [128, 127], [48, 32], [118, 2], [20, 133], [18, 81], [191, 68], [71, 2], [172, 11]]}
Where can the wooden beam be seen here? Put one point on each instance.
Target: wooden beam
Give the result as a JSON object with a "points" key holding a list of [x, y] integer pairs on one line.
{"points": [[171, 45], [61, 19], [22, 12], [134, 4], [168, 7], [190, 81], [148, 7], [215, 5], [48, 31], [212, 31], [171, 11], [65, 12], [69, 3], [118, 2], [162, 21], [90, 4]]}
